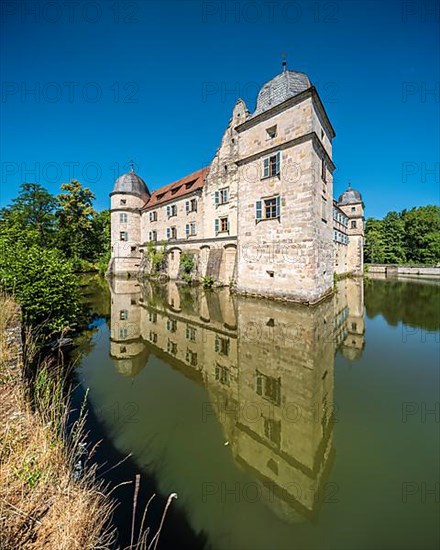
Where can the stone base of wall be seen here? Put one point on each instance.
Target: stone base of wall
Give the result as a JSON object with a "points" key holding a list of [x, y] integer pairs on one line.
{"points": [[298, 298], [397, 270]]}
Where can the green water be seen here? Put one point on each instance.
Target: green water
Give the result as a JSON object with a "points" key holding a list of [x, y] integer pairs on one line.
{"points": [[277, 426]]}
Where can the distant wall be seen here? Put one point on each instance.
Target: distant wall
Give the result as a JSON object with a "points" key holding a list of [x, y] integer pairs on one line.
{"points": [[391, 269]]}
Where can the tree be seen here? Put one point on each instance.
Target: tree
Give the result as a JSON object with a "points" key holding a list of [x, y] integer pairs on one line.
{"points": [[75, 220], [422, 230], [409, 236], [374, 251], [393, 233], [32, 210]]}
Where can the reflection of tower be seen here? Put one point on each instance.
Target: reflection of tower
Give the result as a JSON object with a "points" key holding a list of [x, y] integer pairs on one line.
{"points": [[354, 341], [126, 345], [352, 205], [284, 430], [267, 367]]}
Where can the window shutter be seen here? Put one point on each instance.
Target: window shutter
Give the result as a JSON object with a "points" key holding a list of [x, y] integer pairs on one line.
{"points": [[187, 206], [266, 168], [216, 198], [258, 211], [187, 229], [277, 163], [195, 205], [216, 226], [168, 232], [168, 211], [278, 207]]}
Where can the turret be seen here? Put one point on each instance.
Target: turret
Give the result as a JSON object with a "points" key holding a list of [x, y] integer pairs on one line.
{"points": [[129, 195], [351, 203]]}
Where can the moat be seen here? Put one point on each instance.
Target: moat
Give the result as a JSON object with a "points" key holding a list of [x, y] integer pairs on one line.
{"points": [[278, 426]]}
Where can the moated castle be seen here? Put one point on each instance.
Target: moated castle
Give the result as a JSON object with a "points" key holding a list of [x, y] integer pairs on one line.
{"points": [[261, 218]]}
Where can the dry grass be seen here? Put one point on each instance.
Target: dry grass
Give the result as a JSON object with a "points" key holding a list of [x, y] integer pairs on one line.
{"points": [[41, 504]]}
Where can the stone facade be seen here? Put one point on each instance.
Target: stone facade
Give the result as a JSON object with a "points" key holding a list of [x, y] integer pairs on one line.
{"points": [[261, 218]]}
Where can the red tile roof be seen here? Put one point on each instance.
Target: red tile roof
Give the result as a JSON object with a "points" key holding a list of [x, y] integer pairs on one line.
{"points": [[178, 189]]}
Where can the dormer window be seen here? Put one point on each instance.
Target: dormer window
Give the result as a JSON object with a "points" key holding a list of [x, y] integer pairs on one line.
{"points": [[271, 132]]}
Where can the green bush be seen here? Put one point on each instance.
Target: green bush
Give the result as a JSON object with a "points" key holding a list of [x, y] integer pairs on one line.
{"points": [[207, 281], [43, 282], [186, 263]]}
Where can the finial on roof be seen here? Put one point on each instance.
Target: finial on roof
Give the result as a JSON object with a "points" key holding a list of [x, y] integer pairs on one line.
{"points": [[131, 166], [283, 62], [349, 184]]}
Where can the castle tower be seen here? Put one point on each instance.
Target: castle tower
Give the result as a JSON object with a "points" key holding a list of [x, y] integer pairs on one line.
{"points": [[285, 193], [129, 195], [350, 202]]}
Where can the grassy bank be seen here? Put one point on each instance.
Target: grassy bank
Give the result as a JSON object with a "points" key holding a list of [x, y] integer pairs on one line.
{"points": [[47, 499]]}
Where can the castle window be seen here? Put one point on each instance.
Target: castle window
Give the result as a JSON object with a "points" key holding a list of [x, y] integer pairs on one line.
{"points": [[123, 332], [153, 337], [123, 201], [172, 347], [191, 358], [222, 374], [271, 132], [353, 224], [153, 216], [221, 196], [190, 229], [171, 325], [322, 133], [222, 345], [171, 233], [324, 209], [123, 315], [268, 209], [191, 333], [123, 236], [153, 236], [323, 171], [353, 208], [271, 165], [172, 210], [123, 217], [152, 315], [191, 206], [221, 225], [272, 430], [268, 387]]}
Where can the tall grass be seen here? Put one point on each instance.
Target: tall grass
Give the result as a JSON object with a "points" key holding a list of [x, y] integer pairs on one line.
{"points": [[46, 501]]}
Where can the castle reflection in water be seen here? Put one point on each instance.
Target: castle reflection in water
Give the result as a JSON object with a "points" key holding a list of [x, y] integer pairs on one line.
{"points": [[268, 368]]}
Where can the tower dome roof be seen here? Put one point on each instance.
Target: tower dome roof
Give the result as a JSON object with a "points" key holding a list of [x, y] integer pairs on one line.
{"points": [[131, 183], [351, 196], [284, 86]]}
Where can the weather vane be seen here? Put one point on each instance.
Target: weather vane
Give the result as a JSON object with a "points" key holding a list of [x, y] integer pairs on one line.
{"points": [[283, 61], [131, 166]]}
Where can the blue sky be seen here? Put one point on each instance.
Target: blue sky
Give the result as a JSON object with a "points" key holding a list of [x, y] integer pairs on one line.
{"points": [[156, 82]]}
